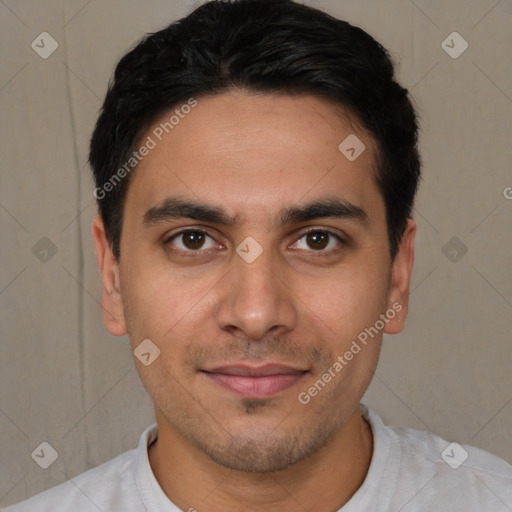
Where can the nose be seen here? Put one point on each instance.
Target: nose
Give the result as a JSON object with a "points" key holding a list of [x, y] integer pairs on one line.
{"points": [[255, 298]]}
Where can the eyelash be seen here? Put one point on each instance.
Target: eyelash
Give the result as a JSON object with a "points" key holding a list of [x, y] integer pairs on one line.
{"points": [[342, 242]]}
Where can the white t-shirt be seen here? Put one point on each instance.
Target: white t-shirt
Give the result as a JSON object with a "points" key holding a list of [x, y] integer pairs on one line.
{"points": [[410, 471]]}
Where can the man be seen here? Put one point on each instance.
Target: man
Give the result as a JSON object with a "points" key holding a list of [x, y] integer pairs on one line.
{"points": [[256, 165]]}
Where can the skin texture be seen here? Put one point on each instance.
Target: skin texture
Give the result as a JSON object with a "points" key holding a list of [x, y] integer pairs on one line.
{"points": [[297, 304]]}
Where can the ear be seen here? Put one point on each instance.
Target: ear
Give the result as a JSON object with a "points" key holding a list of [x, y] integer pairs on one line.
{"points": [[401, 270], [111, 299]]}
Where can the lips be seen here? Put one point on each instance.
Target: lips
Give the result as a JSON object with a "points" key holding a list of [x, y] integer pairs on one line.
{"points": [[256, 382]]}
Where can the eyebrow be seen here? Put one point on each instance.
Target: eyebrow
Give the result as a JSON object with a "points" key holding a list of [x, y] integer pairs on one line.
{"points": [[179, 208]]}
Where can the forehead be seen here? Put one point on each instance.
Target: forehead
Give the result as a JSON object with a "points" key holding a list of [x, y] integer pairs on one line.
{"points": [[253, 151]]}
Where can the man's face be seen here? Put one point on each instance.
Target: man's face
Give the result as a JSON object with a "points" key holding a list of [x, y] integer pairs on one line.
{"points": [[241, 334]]}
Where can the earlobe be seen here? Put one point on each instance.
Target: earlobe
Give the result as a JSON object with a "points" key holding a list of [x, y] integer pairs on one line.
{"points": [[111, 299], [401, 270]]}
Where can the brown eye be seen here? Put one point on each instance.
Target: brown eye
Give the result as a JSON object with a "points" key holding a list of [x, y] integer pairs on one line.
{"points": [[191, 240], [318, 241]]}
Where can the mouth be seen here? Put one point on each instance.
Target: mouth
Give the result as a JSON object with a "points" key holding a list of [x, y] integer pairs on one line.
{"points": [[255, 382]]}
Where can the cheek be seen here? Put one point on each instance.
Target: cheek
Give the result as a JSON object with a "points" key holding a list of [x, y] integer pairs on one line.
{"points": [[349, 300], [160, 299]]}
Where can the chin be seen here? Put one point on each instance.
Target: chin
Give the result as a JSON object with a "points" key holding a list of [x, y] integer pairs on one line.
{"points": [[263, 450]]}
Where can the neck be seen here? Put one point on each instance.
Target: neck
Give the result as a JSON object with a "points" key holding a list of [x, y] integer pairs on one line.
{"points": [[324, 481]]}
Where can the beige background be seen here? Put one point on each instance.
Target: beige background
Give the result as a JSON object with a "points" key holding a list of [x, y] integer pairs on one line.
{"points": [[64, 380]]}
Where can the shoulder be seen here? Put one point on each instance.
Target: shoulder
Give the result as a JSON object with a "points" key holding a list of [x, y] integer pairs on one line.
{"points": [[111, 486], [448, 475], [104, 487]]}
